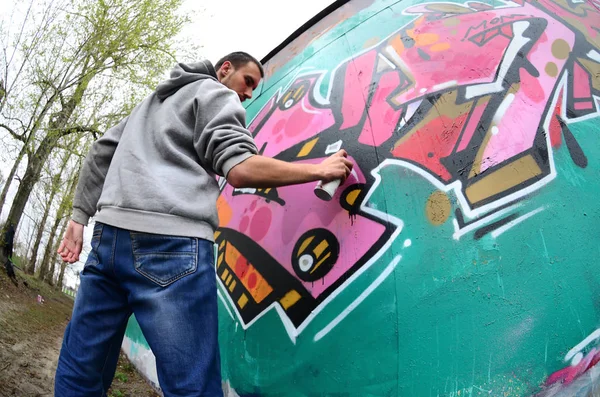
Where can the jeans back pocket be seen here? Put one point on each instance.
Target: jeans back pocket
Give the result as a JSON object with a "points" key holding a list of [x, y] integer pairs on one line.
{"points": [[164, 259]]}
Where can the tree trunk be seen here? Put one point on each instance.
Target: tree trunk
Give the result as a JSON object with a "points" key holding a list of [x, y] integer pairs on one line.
{"points": [[63, 265], [32, 175], [64, 210], [11, 176], [53, 190], [48, 253]]}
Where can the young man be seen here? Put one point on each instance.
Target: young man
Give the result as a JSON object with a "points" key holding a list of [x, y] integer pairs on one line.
{"points": [[150, 181]]}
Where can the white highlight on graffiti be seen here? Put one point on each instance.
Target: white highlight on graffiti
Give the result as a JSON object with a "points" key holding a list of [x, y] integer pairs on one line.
{"points": [[391, 53], [407, 243], [503, 108], [513, 49], [445, 85], [577, 359], [334, 147], [224, 303], [423, 90], [306, 262], [515, 222], [249, 190], [388, 270], [509, 4], [386, 61], [458, 232], [410, 111], [589, 339], [594, 55], [495, 130], [306, 109]]}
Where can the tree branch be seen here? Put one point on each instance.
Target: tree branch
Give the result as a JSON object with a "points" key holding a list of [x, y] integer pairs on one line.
{"points": [[78, 128], [14, 134]]}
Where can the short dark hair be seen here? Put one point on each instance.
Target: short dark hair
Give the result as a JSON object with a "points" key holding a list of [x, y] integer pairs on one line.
{"points": [[239, 59]]}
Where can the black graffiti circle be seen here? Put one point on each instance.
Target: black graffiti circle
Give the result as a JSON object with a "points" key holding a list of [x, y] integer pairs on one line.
{"points": [[314, 254]]}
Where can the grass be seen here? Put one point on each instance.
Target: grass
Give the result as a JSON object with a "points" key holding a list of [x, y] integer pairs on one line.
{"points": [[121, 377]]}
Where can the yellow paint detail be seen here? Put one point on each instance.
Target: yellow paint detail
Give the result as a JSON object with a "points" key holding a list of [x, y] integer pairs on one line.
{"points": [[304, 245], [320, 262], [217, 234], [320, 248], [503, 179], [308, 146], [228, 279], [290, 299], [232, 286], [224, 274], [286, 97], [352, 196], [438, 207], [299, 92], [220, 260], [222, 244], [242, 301]]}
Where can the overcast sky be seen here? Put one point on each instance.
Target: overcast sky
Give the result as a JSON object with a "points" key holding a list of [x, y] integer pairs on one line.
{"points": [[254, 26], [221, 27]]}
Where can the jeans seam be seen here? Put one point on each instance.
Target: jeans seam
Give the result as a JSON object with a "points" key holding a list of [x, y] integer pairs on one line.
{"points": [[113, 250], [172, 279]]}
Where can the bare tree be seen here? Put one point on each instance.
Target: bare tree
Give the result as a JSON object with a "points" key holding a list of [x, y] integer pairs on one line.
{"points": [[105, 47]]}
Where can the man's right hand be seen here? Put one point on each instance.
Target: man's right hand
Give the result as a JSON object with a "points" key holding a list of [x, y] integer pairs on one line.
{"points": [[72, 242], [337, 166]]}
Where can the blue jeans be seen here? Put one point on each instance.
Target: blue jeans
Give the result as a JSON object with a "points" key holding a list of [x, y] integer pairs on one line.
{"points": [[169, 284]]}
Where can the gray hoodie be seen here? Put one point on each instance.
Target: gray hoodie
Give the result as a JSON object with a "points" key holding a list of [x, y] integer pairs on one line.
{"points": [[155, 171]]}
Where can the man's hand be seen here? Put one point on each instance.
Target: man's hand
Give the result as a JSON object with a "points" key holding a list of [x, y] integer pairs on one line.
{"points": [[70, 246], [337, 166]]}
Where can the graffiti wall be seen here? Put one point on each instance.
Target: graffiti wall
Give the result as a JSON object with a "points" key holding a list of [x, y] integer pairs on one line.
{"points": [[460, 257]]}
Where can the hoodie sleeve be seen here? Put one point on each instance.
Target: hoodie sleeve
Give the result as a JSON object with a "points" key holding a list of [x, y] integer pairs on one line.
{"points": [[93, 173], [220, 137]]}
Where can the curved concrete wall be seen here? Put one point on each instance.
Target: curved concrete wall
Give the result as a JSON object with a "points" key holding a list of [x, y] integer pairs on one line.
{"points": [[460, 258]]}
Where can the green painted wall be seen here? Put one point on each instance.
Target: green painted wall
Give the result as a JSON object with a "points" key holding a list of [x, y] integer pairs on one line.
{"points": [[461, 257]]}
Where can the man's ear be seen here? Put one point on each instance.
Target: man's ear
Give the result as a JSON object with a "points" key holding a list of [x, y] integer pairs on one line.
{"points": [[226, 68]]}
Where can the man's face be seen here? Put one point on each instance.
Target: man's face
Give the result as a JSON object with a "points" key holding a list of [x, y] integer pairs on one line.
{"points": [[242, 80]]}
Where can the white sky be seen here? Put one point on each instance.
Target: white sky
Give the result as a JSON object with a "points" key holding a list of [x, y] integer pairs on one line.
{"points": [[254, 26], [219, 27]]}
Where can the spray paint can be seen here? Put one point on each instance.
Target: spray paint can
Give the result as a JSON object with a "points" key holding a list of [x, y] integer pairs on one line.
{"points": [[325, 191]]}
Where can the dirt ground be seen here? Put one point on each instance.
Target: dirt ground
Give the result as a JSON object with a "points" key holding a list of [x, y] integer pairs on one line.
{"points": [[30, 339]]}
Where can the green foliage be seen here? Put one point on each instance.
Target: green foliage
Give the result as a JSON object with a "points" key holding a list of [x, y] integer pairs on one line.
{"points": [[121, 377], [79, 66]]}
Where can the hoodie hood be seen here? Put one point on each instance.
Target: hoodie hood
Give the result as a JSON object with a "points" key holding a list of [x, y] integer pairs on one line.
{"points": [[185, 73]]}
